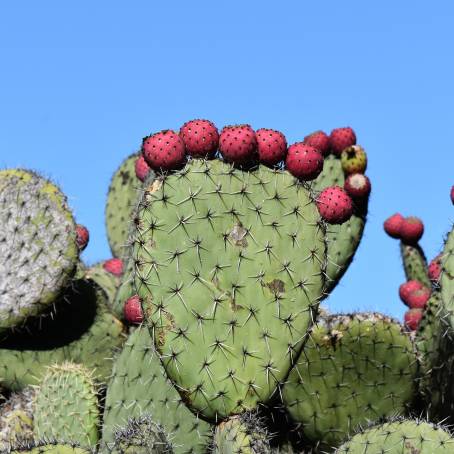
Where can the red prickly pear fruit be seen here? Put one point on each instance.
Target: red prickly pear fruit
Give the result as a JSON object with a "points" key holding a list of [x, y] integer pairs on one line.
{"points": [[393, 225], [164, 150], [357, 186], [318, 140], [132, 310], [412, 230], [82, 236], [417, 299], [114, 266], [142, 168], [335, 205], [304, 161], [407, 287], [238, 144], [271, 146], [452, 194], [341, 138], [412, 318], [434, 269], [200, 137]]}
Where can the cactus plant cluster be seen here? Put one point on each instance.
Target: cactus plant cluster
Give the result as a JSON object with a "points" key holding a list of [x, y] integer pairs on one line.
{"points": [[204, 331]]}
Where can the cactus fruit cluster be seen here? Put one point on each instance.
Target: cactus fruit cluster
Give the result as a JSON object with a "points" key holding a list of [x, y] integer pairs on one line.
{"points": [[203, 332]]}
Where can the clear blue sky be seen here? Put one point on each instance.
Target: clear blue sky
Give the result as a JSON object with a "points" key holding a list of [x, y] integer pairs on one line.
{"points": [[81, 85]]}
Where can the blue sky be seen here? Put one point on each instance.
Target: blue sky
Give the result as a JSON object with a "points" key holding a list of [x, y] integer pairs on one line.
{"points": [[81, 85]]}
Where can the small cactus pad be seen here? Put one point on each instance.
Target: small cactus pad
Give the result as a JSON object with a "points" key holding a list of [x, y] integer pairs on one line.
{"points": [[38, 250], [447, 277], [139, 385], [342, 240], [82, 331], [229, 265], [400, 437], [141, 436], [121, 200], [353, 369], [47, 447], [415, 264], [66, 405], [16, 419], [242, 434], [107, 281]]}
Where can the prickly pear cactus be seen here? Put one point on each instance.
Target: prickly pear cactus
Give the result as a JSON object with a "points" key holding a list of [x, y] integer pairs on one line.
{"points": [[66, 405], [124, 190], [141, 436], [400, 437], [243, 434], [342, 240], [447, 277], [38, 250], [415, 264], [353, 369], [139, 385], [107, 281], [51, 447], [230, 266], [16, 419], [82, 331]]}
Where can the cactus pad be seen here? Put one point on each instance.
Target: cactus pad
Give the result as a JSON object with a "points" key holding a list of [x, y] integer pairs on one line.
{"points": [[139, 385], [82, 331], [342, 240], [415, 264], [107, 281], [229, 265], [242, 434], [66, 405], [38, 250], [400, 437], [353, 369], [447, 277], [141, 436], [54, 447]]}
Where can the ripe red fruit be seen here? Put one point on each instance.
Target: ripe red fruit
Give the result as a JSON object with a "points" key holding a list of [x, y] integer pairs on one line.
{"points": [[357, 186], [200, 137], [341, 138], [407, 287], [114, 266], [412, 318], [132, 310], [434, 269], [335, 205], [304, 161], [164, 150], [393, 224], [417, 299], [271, 146], [238, 144], [142, 168], [318, 140], [82, 236], [411, 230]]}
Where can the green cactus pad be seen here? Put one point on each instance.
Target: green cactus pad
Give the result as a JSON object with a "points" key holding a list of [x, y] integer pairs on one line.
{"points": [[400, 437], [229, 265], [447, 277], [38, 250], [66, 405], [16, 419], [124, 190], [141, 436], [243, 434], [107, 281], [82, 331], [353, 369], [48, 447], [343, 239], [415, 264], [139, 385]]}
